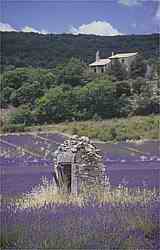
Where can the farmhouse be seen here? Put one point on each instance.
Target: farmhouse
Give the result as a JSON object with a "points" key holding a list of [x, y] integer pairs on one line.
{"points": [[102, 65], [125, 59]]}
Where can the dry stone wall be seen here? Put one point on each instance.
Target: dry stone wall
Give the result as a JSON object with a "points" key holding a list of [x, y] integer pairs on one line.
{"points": [[85, 163]]}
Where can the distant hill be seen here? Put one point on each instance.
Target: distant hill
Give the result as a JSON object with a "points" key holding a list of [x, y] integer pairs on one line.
{"points": [[21, 49]]}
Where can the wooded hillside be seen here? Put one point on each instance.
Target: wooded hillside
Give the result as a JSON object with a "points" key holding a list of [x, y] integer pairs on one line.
{"points": [[21, 49]]}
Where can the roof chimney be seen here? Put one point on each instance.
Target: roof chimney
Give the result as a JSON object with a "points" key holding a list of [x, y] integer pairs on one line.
{"points": [[97, 56], [112, 53]]}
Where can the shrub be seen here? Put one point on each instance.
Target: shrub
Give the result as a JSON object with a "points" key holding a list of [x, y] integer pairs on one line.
{"points": [[23, 115], [12, 128]]}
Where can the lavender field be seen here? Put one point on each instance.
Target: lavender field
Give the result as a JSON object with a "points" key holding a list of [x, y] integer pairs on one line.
{"points": [[35, 216], [23, 161]]}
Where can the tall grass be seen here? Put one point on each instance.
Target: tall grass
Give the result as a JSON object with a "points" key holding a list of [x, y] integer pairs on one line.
{"points": [[46, 193]]}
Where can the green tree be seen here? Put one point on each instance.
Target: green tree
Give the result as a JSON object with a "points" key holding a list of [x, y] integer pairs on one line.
{"points": [[123, 88], [118, 71], [98, 98], [138, 67], [55, 106], [71, 73], [138, 85], [147, 101], [15, 78], [26, 94], [123, 106]]}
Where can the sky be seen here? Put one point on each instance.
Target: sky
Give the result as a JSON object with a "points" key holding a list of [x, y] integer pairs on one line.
{"points": [[100, 17]]}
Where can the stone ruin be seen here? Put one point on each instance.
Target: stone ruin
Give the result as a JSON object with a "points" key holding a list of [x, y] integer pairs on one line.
{"points": [[78, 162]]}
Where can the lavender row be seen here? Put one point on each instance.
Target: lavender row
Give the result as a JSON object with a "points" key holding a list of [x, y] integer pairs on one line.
{"points": [[54, 226], [16, 180], [40, 143], [43, 139], [108, 158]]}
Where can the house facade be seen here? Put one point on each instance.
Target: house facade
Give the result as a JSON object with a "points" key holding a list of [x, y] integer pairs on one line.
{"points": [[125, 59], [102, 65]]}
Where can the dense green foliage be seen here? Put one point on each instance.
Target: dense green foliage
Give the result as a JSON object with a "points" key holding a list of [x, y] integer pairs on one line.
{"points": [[138, 68], [69, 91], [46, 51]]}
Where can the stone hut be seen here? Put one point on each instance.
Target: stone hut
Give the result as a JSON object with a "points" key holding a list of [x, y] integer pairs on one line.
{"points": [[77, 161]]}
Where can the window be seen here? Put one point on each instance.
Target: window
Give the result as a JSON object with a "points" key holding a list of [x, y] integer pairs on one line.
{"points": [[122, 60], [102, 70], [95, 70]]}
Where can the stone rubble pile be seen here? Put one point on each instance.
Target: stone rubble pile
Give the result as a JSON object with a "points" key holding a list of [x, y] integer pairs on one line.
{"points": [[76, 143]]}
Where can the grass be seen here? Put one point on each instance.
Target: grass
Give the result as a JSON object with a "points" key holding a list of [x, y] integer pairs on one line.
{"points": [[133, 128], [46, 193]]}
